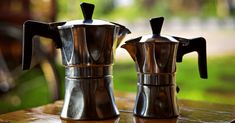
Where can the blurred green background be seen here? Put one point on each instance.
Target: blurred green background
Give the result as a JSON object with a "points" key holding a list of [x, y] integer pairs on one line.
{"points": [[211, 19]]}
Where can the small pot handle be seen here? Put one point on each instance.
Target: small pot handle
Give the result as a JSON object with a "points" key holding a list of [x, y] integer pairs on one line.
{"points": [[190, 45]]}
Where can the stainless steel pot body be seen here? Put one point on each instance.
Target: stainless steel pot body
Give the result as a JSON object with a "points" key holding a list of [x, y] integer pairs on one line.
{"points": [[88, 47], [155, 56], [87, 53], [156, 87]]}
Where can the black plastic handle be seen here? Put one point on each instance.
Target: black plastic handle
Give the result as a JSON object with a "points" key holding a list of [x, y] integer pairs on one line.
{"points": [[156, 25], [32, 28], [87, 10], [190, 45]]}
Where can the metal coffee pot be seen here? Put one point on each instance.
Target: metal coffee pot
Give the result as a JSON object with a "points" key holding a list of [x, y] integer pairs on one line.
{"points": [[88, 48], [155, 57]]}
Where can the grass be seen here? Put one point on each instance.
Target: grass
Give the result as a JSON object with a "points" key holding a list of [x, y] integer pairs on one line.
{"points": [[32, 89], [218, 88]]}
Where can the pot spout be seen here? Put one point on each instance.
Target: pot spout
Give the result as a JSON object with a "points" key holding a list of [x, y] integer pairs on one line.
{"points": [[131, 47], [122, 32]]}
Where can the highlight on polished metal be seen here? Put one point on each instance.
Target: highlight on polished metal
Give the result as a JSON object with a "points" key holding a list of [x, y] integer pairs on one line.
{"points": [[88, 48], [155, 57]]}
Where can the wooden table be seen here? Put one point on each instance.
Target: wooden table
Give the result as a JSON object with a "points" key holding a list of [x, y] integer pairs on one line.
{"points": [[191, 112]]}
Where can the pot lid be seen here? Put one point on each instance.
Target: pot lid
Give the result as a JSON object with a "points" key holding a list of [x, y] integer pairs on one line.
{"points": [[155, 37], [87, 10]]}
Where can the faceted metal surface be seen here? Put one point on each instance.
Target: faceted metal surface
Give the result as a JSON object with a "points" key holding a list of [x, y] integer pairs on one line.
{"points": [[154, 79], [156, 102], [76, 72], [155, 61], [89, 99], [156, 66], [155, 57], [87, 53], [89, 45], [87, 48]]}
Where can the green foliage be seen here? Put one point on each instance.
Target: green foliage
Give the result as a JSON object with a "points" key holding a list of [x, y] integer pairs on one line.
{"points": [[31, 91], [216, 88], [208, 9], [137, 11], [106, 9], [70, 9], [125, 77], [32, 88], [219, 87]]}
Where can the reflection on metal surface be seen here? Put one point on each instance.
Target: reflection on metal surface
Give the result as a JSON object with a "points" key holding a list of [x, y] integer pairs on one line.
{"points": [[87, 52], [145, 120], [155, 57], [89, 99], [113, 120], [156, 102], [191, 112]]}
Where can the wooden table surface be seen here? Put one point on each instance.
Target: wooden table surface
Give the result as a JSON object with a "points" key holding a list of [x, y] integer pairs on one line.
{"points": [[191, 112]]}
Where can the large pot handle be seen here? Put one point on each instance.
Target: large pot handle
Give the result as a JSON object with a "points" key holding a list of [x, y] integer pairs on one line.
{"points": [[190, 45], [32, 28]]}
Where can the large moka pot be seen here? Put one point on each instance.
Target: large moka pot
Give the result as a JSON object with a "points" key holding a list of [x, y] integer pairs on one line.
{"points": [[88, 48], [155, 56]]}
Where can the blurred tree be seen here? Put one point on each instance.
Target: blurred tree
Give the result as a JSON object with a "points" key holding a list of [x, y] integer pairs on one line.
{"points": [[148, 8], [147, 4], [222, 8], [70, 9], [231, 5], [103, 7], [188, 7]]}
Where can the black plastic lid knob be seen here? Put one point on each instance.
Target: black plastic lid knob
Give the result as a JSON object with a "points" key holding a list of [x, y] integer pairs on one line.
{"points": [[87, 10], [156, 25]]}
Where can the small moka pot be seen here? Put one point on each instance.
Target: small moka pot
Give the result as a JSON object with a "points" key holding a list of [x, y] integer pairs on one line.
{"points": [[155, 57], [88, 47]]}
